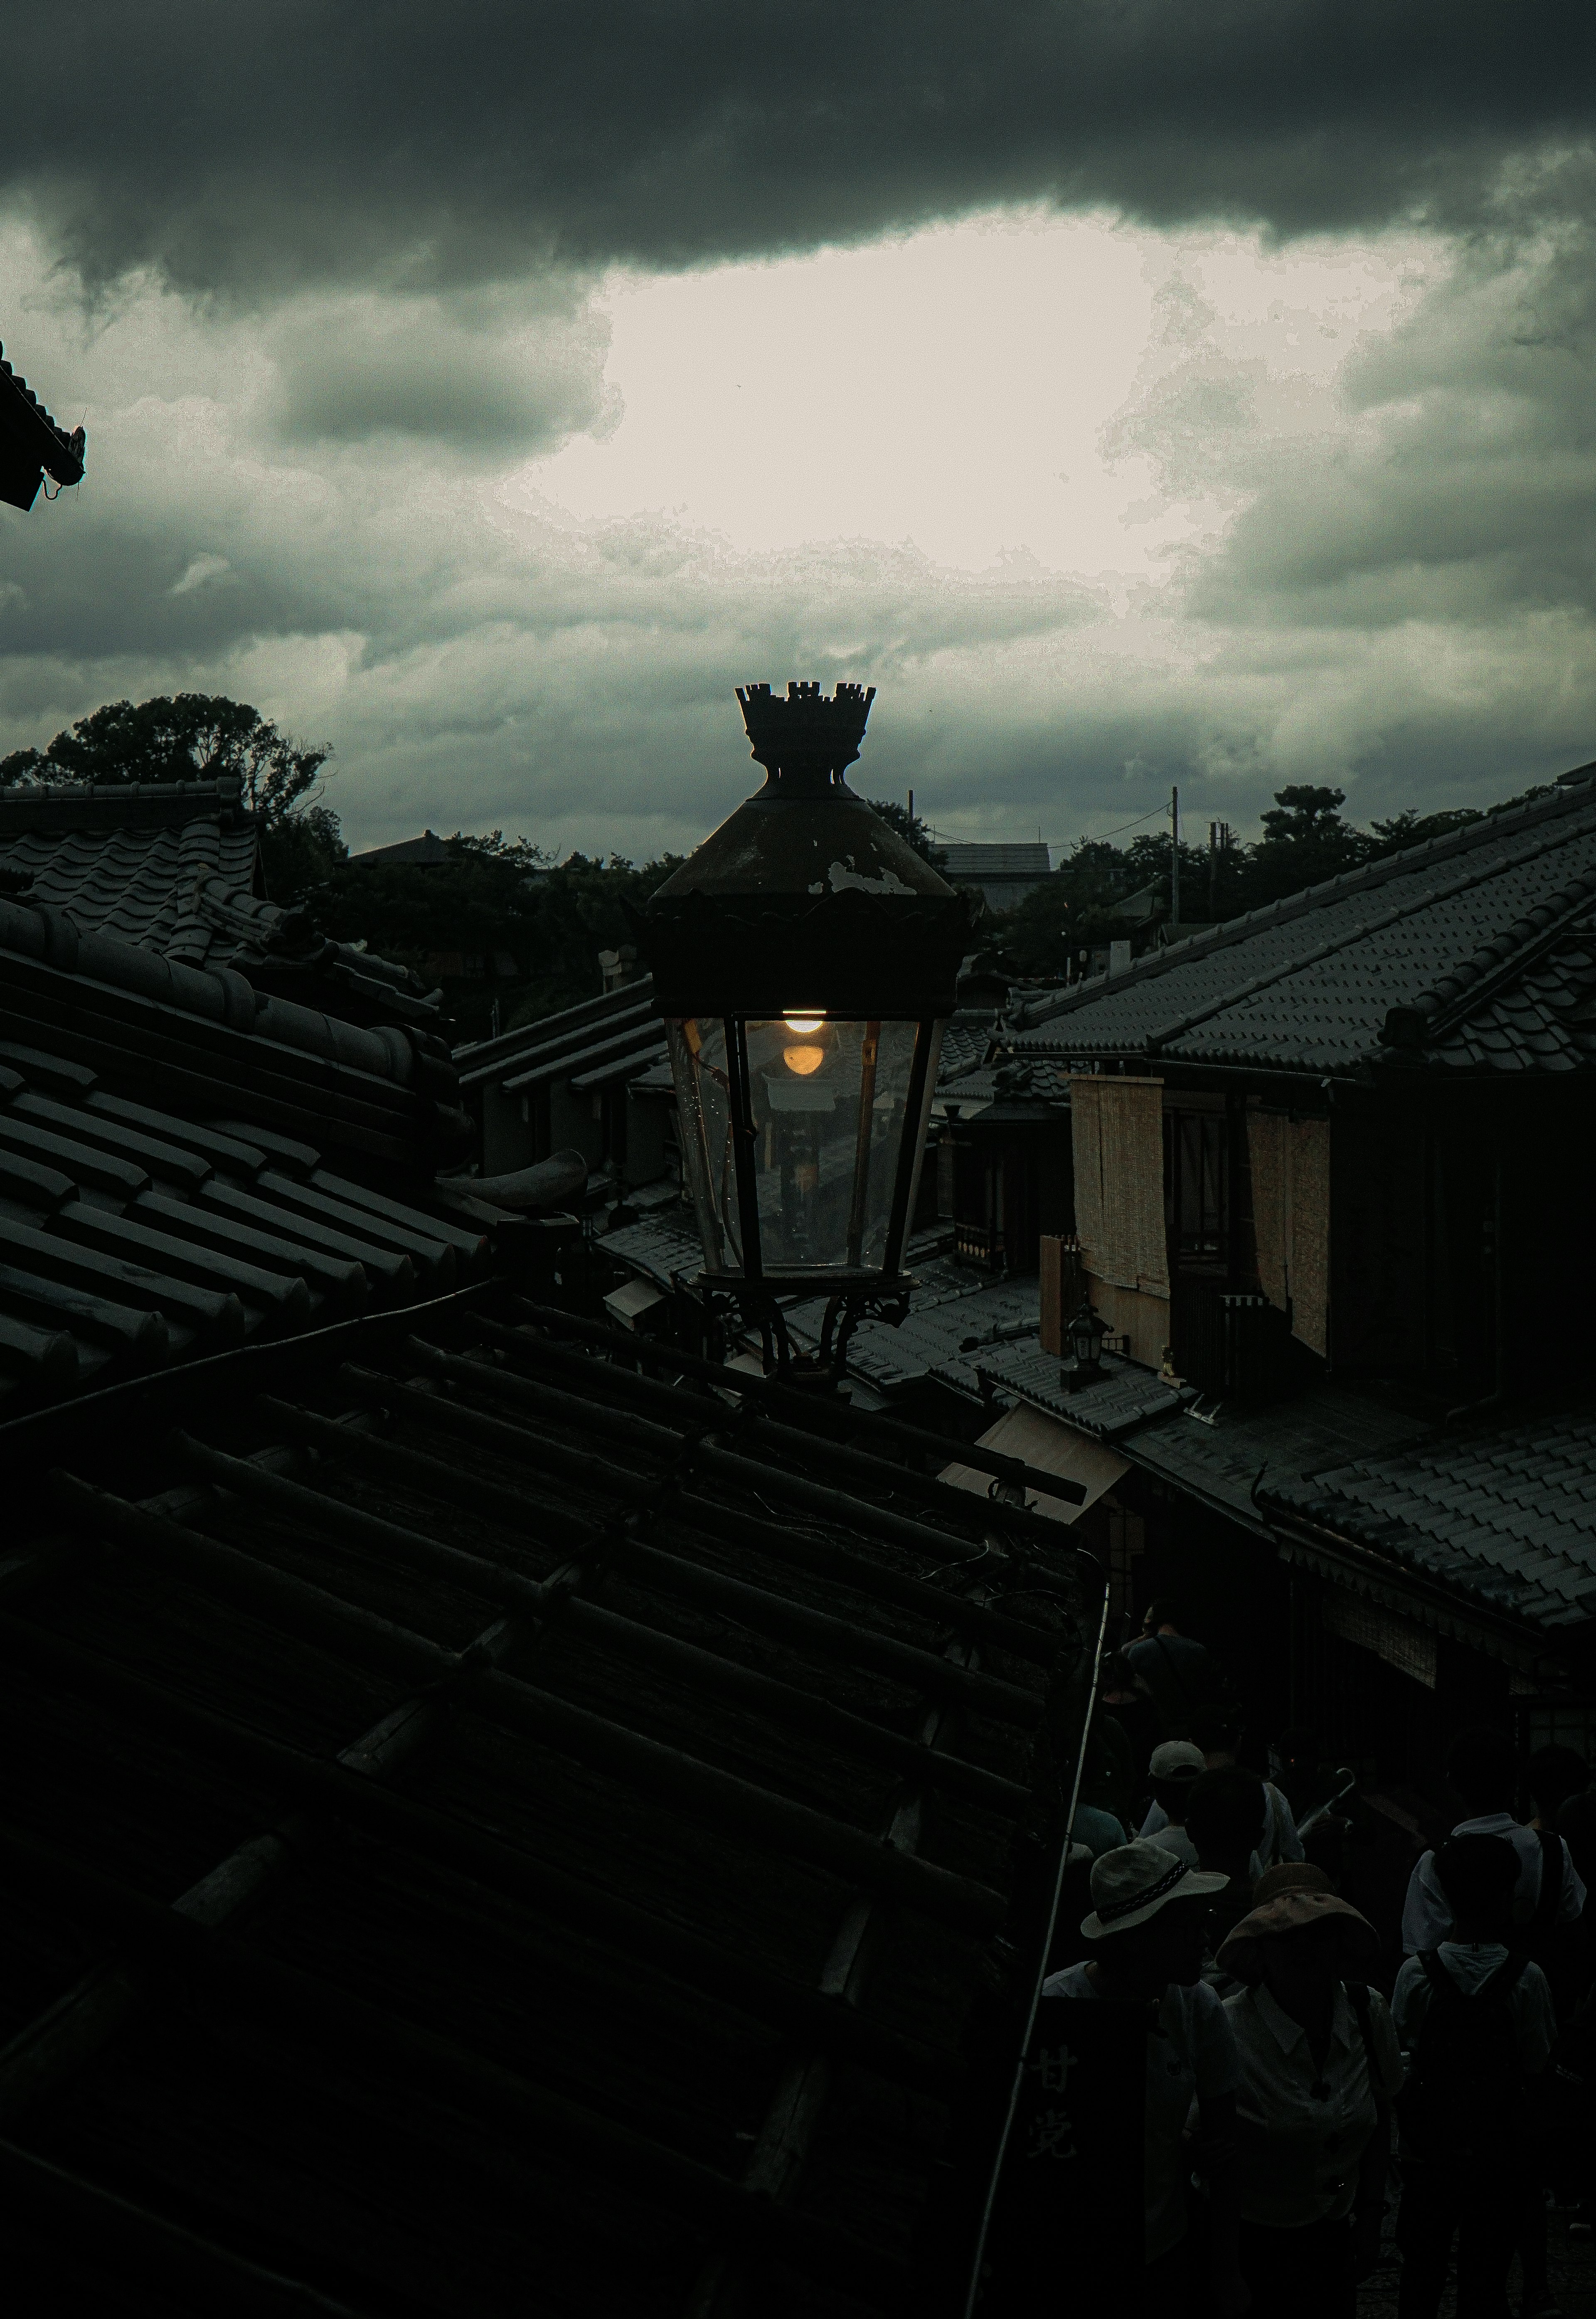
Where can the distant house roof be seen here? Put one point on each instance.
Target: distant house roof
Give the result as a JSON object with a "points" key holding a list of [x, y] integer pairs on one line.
{"points": [[424, 853], [1475, 951], [187, 1162], [1003, 874], [594, 1044], [977, 862], [31, 444]]}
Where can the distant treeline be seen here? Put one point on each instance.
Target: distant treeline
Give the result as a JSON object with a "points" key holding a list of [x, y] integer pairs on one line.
{"points": [[501, 898]]}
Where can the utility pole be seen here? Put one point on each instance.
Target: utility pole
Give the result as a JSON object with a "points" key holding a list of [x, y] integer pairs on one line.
{"points": [[1175, 857], [1212, 870]]}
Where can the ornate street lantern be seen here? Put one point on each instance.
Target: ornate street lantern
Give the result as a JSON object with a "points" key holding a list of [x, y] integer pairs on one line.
{"points": [[804, 960]]}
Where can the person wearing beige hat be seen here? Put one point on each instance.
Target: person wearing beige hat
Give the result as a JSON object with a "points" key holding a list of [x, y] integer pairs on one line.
{"points": [[1320, 2066], [1148, 1929]]}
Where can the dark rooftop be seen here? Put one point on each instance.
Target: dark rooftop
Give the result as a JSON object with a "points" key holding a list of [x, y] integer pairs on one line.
{"points": [[1507, 1516], [135, 861], [1475, 951], [173, 868], [615, 1036], [451, 1829], [187, 1163], [31, 444]]}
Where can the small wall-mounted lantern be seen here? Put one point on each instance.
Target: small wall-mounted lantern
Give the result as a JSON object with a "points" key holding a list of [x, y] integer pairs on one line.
{"points": [[1085, 1334]]}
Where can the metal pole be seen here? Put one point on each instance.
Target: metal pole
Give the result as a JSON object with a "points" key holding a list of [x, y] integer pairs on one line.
{"points": [[1175, 857], [741, 1107], [1213, 869], [913, 1128]]}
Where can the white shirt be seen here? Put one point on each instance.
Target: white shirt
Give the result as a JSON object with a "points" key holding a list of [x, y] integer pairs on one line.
{"points": [[1303, 2131], [1194, 2058], [1426, 1915], [1277, 1838]]}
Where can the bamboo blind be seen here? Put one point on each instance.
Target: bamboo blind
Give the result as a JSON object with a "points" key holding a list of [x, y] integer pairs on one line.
{"points": [[1117, 1132]]}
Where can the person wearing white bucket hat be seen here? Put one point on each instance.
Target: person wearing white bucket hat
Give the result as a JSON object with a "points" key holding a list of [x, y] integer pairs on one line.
{"points": [[1149, 1926]]}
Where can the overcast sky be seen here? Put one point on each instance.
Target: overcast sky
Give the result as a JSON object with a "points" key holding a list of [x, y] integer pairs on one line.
{"points": [[1135, 393]]}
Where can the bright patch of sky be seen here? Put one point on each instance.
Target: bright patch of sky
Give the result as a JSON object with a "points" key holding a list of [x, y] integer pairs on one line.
{"points": [[961, 388]]}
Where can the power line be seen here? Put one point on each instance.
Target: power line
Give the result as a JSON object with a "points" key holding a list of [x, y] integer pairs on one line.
{"points": [[1102, 835]]}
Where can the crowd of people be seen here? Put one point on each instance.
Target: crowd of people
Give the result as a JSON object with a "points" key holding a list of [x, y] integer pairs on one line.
{"points": [[1332, 2024]]}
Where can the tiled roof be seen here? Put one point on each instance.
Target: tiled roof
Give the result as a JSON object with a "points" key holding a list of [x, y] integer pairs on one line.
{"points": [[462, 1855], [171, 867], [617, 1036], [1221, 1456], [1469, 952], [130, 860], [126, 859], [951, 1311], [186, 1163], [1129, 1396], [980, 860], [965, 1040], [31, 444], [1507, 1517]]}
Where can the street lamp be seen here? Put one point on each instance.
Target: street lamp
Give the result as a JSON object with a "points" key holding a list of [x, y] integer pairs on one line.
{"points": [[804, 960]]}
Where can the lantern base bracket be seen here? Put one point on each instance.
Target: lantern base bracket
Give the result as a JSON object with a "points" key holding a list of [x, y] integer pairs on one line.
{"points": [[763, 1303]]}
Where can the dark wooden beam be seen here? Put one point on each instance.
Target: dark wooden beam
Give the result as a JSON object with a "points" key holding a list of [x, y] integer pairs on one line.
{"points": [[776, 1823]]}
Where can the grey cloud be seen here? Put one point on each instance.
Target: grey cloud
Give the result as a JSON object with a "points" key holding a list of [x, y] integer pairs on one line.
{"points": [[1453, 486], [251, 149], [354, 367]]}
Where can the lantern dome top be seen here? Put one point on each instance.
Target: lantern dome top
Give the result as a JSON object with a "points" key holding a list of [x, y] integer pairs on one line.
{"points": [[805, 890]]}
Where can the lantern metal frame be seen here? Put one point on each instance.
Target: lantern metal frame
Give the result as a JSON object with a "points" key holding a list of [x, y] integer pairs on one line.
{"points": [[804, 904]]}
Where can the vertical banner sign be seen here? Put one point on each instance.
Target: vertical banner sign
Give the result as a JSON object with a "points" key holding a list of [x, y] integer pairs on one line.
{"points": [[1066, 2231]]}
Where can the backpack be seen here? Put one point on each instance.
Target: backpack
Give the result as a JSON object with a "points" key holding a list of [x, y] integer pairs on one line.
{"points": [[1461, 2105]]}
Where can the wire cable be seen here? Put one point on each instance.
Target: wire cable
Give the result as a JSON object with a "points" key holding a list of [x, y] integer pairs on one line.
{"points": [[973, 2299]]}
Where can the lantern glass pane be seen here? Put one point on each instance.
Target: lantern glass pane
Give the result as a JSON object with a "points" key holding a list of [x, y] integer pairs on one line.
{"points": [[828, 1102]]}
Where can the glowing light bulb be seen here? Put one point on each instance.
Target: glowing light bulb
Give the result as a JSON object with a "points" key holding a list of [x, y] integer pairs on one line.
{"points": [[804, 1059], [803, 1023]]}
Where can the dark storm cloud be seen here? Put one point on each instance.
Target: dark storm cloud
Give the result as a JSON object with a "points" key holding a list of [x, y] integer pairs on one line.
{"points": [[293, 141]]}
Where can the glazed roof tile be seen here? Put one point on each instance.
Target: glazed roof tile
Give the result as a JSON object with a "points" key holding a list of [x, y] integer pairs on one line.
{"points": [[1476, 951]]}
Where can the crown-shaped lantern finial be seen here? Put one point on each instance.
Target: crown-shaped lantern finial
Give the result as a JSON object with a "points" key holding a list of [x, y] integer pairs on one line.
{"points": [[807, 732]]}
